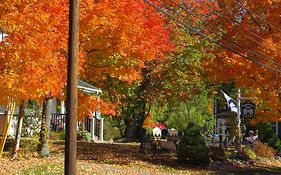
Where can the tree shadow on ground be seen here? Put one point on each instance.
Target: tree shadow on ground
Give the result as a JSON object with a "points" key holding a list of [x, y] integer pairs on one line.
{"points": [[125, 154]]}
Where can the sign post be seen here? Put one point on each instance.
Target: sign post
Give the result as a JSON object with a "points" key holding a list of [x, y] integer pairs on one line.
{"points": [[239, 132], [248, 111]]}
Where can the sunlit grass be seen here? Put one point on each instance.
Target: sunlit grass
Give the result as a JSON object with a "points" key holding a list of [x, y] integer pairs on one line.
{"points": [[51, 169]]}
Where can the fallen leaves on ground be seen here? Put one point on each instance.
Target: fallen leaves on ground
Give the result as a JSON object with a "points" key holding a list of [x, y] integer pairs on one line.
{"points": [[107, 159]]}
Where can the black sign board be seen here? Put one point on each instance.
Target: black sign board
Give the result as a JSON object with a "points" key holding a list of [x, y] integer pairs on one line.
{"points": [[248, 109]]}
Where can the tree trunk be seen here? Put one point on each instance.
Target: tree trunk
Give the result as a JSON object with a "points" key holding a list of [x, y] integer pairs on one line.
{"points": [[19, 128], [134, 130], [131, 130], [43, 147]]}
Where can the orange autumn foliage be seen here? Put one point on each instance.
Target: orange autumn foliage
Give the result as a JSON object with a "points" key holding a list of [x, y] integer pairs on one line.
{"points": [[255, 28], [119, 37], [148, 122], [87, 104], [33, 55]]}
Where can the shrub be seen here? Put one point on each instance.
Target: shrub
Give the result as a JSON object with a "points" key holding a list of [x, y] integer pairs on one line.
{"points": [[263, 150], [245, 154], [9, 144], [192, 147], [31, 123], [217, 153], [111, 133], [242, 155], [111, 129], [29, 146], [147, 141], [249, 152], [149, 132], [268, 135], [83, 134], [57, 135]]}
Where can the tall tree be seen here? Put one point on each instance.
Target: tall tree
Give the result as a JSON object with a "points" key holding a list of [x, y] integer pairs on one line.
{"points": [[252, 29], [174, 79], [117, 39], [120, 39], [43, 147], [33, 55], [19, 128]]}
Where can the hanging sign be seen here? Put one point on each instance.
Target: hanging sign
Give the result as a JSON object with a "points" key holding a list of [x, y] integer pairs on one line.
{"points": [[248, 109]]}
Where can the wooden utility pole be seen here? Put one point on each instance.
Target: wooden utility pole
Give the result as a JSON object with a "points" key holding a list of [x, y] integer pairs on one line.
{"points": [[72, 89]]}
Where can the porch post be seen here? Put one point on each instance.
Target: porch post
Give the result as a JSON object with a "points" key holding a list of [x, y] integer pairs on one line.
{"points": [[54, 105], [62, 107], [101, 129], [92, 128]]}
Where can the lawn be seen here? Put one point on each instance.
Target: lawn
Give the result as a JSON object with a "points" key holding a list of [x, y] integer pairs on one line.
{"points": [[105, 158]]}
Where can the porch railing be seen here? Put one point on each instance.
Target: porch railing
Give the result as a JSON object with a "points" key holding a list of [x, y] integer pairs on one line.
{"points": [[58, 124]]}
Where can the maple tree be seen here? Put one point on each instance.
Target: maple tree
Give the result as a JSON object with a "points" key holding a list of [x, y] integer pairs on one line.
{"points": [[118, 45], [250, 28], [90, 103], [33, 55], [176, 78], [118, 42], [178, 114], [119, 37]]}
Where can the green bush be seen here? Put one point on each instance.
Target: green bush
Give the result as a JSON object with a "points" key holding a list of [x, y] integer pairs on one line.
{"points": [[249, 152], [57, 135], [245, 154], [242, 155], [83, 134], [29, 146], [192, 147], [111, 131], [148, 133], [268, 135]]}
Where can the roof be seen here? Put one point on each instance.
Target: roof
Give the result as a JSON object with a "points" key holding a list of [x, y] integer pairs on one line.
{"points": [[161, 125], [88, 88]]}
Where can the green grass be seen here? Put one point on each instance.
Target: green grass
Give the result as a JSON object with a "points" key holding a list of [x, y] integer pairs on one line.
{"points": [[52, 169]]}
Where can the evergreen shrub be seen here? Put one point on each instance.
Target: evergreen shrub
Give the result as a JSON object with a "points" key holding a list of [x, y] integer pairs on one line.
{"points": [[192, 147], [268, 135]]}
